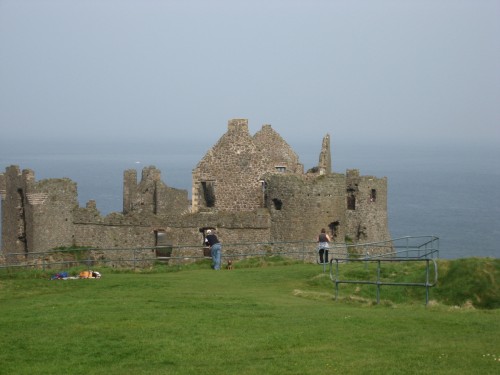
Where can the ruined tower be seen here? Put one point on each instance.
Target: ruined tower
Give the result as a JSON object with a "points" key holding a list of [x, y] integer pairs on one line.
{"points": [[36, 215]]}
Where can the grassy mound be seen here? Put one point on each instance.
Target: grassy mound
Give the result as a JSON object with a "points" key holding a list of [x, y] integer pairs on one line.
{"points": [[472, 281]]}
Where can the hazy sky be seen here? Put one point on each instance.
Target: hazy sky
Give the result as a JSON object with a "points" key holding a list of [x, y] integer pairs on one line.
{"points": [[180, 69]]}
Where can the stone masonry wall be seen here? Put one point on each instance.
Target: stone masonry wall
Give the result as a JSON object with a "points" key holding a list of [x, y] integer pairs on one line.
{"points": [[277, 151], [138, 229], [368, 221], [13, 215], [151, 194], [50, 205], [229, 177], [170, 201], [301, 206], [36, 215], [230, 172]]}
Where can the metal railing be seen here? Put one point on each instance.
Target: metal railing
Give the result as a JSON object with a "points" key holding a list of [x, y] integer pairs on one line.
{"points": [[378, 282], [422, 248], [405, 247], [409, 247], [400, 248], [147, 256]]}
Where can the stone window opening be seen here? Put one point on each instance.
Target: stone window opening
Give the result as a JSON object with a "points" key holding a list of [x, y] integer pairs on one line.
{"points": [[351, 202], [280, 168], [263, 187], [277, 204], [373, 195], [163, 246], [351, 199], [208, 193], [334, 226], [22, 224]]}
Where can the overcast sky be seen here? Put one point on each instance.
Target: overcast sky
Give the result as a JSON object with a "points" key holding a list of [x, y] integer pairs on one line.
{"points": [[180, 69]]}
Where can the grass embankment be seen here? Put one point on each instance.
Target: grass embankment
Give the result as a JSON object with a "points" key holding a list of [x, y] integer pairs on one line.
{"points": [[260, 318]]}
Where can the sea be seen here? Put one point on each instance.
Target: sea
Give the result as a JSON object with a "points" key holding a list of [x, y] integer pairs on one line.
{"points": [[448, 191]]}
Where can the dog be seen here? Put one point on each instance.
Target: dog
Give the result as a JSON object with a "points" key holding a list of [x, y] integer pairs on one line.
{"points": [[229, 264]]}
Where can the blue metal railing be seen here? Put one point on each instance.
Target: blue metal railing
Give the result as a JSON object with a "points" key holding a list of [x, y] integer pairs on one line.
{"points": [[300, 250], [409, 248], [403, 247], [146, 256], [335, 275]]}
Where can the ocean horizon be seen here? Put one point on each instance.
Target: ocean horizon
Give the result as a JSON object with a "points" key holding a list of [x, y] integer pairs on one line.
{"points": [[449, 192]]}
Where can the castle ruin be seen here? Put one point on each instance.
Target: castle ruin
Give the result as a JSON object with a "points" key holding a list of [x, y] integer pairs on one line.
{"points": [[251, 188]]}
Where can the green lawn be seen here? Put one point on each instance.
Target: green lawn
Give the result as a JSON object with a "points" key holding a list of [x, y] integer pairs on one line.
{"points": [[278, 319]]}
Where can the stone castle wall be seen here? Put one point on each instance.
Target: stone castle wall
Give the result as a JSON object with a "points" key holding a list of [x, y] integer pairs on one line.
{"points": [[232, 167], [36, 215], [367, 220], [13, 212], [301, 206], [228, 178], [252, 189]]}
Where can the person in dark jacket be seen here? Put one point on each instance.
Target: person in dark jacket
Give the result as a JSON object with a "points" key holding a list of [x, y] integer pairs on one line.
{"points": [[215, 248]]}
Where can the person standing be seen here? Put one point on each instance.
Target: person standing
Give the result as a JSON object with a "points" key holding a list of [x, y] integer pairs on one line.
{"points": [[215, 248], [323, 246]]}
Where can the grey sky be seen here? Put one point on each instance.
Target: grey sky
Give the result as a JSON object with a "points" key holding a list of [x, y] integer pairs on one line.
{"points": [[180, 69]]}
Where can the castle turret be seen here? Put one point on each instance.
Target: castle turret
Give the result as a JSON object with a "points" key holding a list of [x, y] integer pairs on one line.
{"points": [[36, 215]]}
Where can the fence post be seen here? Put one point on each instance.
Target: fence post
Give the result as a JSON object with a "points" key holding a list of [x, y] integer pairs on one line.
{"points": [[378, 282], [427, 282], [336, 279]]}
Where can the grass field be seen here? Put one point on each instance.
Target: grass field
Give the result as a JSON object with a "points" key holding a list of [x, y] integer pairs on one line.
{"points": [[265, 318]]}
